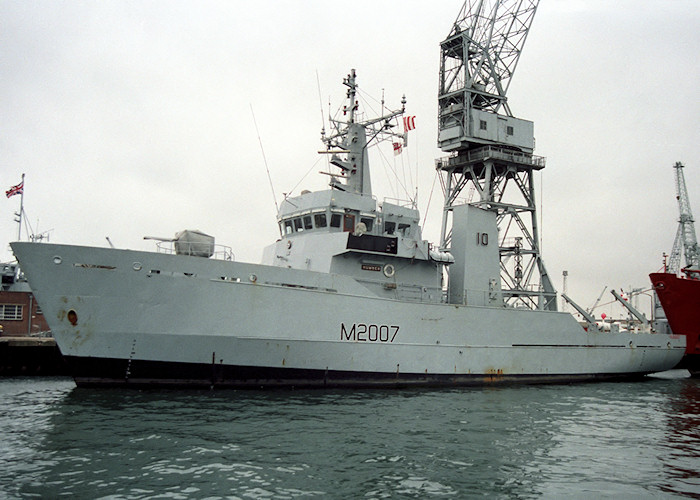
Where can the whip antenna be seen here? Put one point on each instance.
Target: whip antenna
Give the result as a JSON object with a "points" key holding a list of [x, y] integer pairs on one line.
{"points": [[320, 102], [267, 169]]}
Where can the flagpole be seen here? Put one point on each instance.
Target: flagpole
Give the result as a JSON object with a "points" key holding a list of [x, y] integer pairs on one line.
{"points": [[21, 211]]}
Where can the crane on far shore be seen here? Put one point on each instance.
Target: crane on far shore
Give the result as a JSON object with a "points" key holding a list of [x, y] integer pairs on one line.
{"points": [[686, 241]]}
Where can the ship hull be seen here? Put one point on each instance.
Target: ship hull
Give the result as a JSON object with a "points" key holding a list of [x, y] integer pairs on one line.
{"points": [[680, 298], [142, 374], [126, 318]]}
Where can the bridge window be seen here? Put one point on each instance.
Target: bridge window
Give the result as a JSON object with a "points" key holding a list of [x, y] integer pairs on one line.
{"points": [[307, 222], [367, 222], [389, 227], [320, 220], [288, 228], [298, 225], [335, 220]]}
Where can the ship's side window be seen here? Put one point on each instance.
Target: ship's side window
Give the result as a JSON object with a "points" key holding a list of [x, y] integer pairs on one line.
{"points": [[335, 220], [320, 220], [307, 222], [298, 225], [389, 227], [405, 229], [367, 222], [288, 228], [482, 124]]}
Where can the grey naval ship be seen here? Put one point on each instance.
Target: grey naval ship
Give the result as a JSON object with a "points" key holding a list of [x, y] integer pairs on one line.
{"points": [[350, 295]]}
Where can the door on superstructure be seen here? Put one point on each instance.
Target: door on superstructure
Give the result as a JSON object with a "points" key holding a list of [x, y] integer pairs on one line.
{"points": [[349, 222]]}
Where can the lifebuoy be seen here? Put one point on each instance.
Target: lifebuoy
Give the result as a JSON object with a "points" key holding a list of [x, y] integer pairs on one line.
{"points": [[389, 270]]}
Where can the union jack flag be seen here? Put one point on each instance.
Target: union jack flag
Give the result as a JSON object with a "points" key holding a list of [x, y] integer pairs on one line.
{"points": [[18, 189]]}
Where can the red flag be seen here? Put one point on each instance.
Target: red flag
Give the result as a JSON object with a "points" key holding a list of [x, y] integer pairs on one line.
{"points": [[397, 148], [18, 189], [409, 123]]}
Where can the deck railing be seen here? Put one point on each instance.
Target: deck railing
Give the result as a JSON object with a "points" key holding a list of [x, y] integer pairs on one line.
{"points": [[219, 252], [448, 162]]}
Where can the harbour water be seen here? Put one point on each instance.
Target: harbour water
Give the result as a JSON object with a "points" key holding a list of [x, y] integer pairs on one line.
{"points": [[604, 440]]}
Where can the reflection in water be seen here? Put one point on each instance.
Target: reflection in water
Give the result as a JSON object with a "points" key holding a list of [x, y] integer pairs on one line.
{"points": [[634, 439], [682, 460]]}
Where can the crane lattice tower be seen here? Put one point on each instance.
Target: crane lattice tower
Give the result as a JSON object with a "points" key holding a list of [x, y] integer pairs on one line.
{"points": [[491, 151], [686, 241]]}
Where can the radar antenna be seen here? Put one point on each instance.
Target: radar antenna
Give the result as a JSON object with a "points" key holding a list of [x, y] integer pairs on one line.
{"points": [[686, 241], [491, 150]]}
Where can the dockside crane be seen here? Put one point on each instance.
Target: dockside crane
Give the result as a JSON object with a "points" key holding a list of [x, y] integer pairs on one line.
{"points": [[686, 241], [491, 151], [597, 301]]}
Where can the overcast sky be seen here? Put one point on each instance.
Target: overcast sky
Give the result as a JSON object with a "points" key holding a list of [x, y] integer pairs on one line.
{"points": [[133, 118]]}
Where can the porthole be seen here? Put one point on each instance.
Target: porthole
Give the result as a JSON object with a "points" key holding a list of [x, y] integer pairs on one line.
{"points": [[253, 278], [57, 259], [137, 266], [72, 317]]}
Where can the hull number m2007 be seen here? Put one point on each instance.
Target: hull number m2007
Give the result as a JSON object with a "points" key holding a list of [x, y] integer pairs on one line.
{"points": [[361, 332]]}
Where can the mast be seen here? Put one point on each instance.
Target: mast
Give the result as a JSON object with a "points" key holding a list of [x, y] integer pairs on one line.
{"points": [[21, 210], [348, 142]]}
